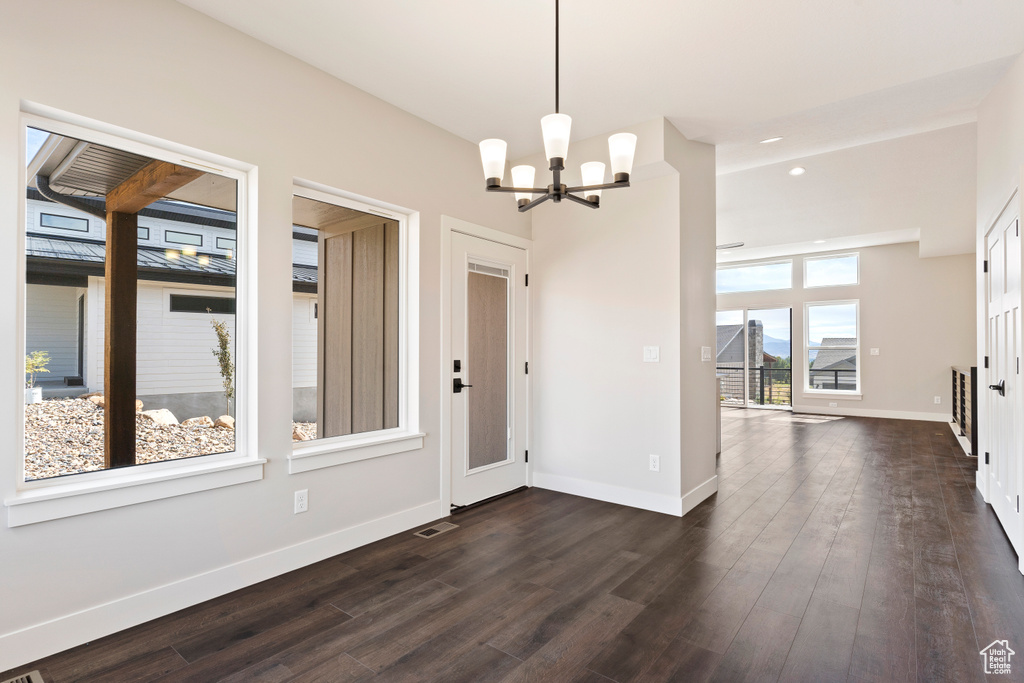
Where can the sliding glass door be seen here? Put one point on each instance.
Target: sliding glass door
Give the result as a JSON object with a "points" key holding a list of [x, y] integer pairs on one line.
{"points": [[754, 357]]}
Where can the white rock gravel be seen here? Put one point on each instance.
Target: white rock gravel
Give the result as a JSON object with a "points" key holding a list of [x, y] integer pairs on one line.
{"points": [[65, 436]]}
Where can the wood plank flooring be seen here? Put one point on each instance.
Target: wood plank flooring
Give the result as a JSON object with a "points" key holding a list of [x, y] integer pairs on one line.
{"points": [[835, 550]]}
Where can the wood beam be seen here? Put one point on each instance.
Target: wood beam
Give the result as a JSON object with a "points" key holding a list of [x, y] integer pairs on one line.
{"points": [[154, 181], [121, 293]]}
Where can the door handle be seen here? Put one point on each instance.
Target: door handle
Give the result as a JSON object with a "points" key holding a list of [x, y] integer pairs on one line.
{"points": [[1001, 387], [458, 386]]}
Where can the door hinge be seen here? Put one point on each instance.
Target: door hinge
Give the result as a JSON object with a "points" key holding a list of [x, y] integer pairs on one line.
{"points": [[528, 367], [986, 457], [986, 361], [527, 456], [986, 266], [527, 280]]}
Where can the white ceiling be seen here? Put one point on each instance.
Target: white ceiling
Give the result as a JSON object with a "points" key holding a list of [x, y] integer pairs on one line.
{"points": [[826, 75]]}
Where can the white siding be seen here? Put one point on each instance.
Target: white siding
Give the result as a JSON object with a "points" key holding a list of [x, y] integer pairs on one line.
{"points": [[52, 325], [175, 350], [304, 253], [303, 339]]}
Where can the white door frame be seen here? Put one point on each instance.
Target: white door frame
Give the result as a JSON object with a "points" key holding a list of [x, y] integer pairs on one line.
{"points": [[1014, 206], [448, 226]]}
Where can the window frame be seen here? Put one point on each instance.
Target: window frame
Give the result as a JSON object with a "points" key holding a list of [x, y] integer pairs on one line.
{"points": [[43, 214], [168, 240], [807, 390], [340, 450], [140, 229], [234, 243], [855, 254], [40, 500], [754, 264]]}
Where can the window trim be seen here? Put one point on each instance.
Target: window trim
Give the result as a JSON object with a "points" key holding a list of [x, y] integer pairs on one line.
{"points": [[340, 450], [754, 264], [807, 390], [234, 243], [140, 229], [855, 254], [198, 291], [41, 500], [42, 214]]}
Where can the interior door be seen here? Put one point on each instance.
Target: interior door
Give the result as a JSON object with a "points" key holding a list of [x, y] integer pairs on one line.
{"points": [[488, 373], [1002, 246]]}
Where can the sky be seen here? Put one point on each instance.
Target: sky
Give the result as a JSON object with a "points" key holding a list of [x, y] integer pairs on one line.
{"points": [[33, 141]]}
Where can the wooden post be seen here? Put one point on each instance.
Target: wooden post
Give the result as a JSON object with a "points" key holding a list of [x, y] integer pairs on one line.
{"points": [[121, 288]]}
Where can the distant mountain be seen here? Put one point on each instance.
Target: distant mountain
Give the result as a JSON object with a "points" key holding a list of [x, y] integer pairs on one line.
{"points": [[776, 347]]}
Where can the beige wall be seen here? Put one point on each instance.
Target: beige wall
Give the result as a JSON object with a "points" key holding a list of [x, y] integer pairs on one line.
{"points": [[163, 70], [918, 312]]}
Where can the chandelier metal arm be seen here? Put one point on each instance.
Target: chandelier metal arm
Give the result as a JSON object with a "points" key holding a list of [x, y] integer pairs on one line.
{"points": [[606, 186]]}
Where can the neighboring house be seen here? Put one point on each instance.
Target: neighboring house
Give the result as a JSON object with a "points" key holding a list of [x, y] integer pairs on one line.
{"points": [[731, 351], [834, 368], [186, 265]]}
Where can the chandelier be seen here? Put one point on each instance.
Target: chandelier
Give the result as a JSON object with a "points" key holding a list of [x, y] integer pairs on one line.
{"points": [[555, 130]]}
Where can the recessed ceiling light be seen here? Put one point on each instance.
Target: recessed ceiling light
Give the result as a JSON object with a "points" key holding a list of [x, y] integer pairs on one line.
{"points": [[819, 241], [797, 170], [775, 139]]}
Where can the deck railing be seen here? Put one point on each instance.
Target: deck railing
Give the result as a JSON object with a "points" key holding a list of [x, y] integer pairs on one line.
{"points": [[774, 386]]}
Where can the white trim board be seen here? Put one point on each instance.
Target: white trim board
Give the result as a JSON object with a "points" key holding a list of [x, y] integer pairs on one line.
{"points": [[872, 412], [32, 643], [621, 495]]}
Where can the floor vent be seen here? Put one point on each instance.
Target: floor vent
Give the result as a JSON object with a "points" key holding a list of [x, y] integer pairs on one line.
{"points": [[32, 677], [438, 528]]}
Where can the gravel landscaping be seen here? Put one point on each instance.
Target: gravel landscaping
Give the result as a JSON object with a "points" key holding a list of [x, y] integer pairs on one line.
{"points": [[65, 436]]}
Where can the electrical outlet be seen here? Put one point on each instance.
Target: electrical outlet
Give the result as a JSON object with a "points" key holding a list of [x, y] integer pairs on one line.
{"points": [[833, 404], [301, 501], [655, 463], [938, 400]]}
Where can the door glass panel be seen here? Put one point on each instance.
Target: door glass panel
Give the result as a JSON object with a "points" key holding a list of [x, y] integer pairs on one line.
{"points": [[729, 357], [770, 353], [487, 366]]}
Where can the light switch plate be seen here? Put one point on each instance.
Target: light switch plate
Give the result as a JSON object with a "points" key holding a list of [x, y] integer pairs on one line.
{"points": [[874, 351], [705, 354], [652, 354]]}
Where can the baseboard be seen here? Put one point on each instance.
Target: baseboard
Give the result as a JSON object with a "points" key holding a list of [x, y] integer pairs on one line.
{"points": [[41, 640], [699, 494], [871, 412], [621, 495]]}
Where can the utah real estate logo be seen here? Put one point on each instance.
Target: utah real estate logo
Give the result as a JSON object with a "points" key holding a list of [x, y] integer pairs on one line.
{"points": [[997, 657]]}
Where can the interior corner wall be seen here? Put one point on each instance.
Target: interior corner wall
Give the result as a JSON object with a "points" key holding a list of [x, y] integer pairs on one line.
{"points": [[918, 312], [164, 70]]}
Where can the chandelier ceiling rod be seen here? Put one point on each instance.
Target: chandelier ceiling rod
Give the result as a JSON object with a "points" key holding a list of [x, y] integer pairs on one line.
{"points": [[555, 129]]}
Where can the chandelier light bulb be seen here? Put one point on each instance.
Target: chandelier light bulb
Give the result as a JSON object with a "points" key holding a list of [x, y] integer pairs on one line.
{"points": [[593, 174], [492, 154], [555, 129], [621, 147], [522, 176]]}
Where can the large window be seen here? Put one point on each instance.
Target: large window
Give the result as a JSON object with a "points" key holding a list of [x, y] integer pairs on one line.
{"points": [[116, 374], [833, 346], [349, 326], [831, 271], [755, 277]]}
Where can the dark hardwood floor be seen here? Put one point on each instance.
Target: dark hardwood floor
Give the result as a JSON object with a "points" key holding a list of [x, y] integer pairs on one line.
{"points": [[835, 550]]}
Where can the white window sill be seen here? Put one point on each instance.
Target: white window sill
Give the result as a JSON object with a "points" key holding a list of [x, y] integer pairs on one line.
{"points": [[831, 393], [128, 486], [320, 453]]}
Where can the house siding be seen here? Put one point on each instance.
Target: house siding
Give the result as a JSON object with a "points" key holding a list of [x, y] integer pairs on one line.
{"points": [[52, 326]]}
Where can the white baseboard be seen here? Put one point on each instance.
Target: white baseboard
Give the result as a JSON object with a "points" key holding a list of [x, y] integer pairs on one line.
{"points": [[871, 412], [41, 640], [610, 493]]}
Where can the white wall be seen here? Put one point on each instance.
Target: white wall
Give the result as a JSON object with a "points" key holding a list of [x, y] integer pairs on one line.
{"points": [[52, 325], [605, 284], [914, 310], [230, 95]]}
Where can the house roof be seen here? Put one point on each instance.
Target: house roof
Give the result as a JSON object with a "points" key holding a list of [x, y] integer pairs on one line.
{"points": [[835, 359], [725, 334]]}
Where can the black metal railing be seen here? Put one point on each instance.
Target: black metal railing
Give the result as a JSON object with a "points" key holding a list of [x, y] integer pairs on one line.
{"points": [[768, 386], [842, 380]]}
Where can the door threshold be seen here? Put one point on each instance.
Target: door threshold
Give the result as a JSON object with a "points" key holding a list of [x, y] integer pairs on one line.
{"points": [[456, 509]]}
